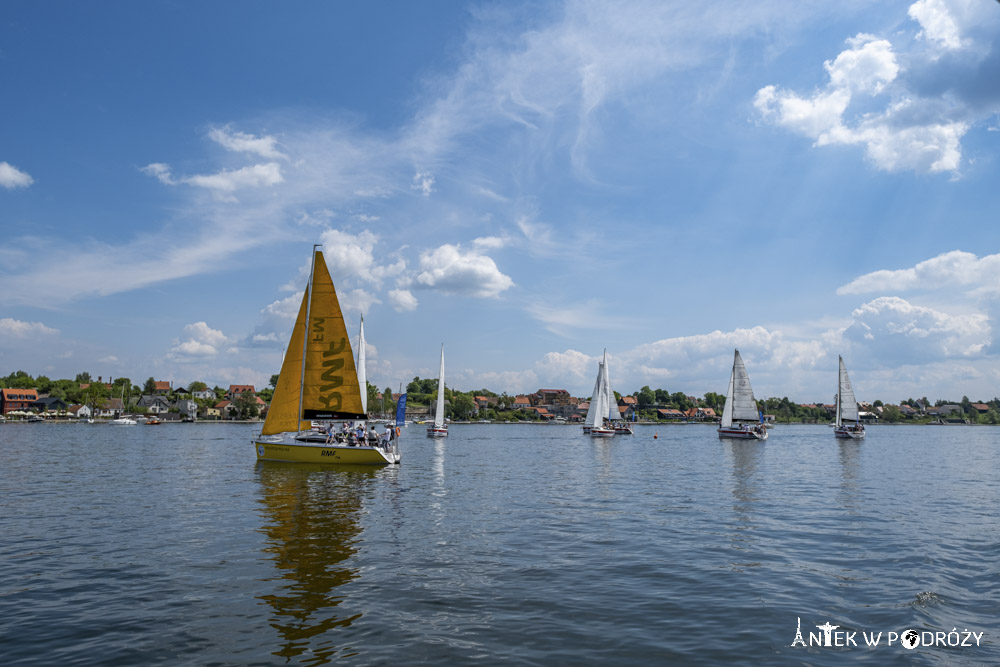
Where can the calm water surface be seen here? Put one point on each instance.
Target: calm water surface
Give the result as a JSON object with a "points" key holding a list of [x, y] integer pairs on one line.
{"points": [[518, 544]]}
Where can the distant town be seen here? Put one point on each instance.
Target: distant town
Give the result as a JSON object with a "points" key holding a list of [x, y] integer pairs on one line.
{"points": [[23, 397]]}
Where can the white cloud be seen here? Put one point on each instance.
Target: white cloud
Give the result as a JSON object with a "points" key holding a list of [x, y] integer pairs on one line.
{"points": [[225, 181], [230, 180], [454, 271], [402, 299], [11, 177], [894, 332], [954, 268], [490, 242], [913, 119], [571, 368], [937, 22], [356, 301], [11, 328], [423, 182], [203, 341], [242, 142]]}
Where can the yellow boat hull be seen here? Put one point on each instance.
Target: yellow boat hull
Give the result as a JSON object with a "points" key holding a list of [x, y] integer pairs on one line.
{"points": [[289, 452]]}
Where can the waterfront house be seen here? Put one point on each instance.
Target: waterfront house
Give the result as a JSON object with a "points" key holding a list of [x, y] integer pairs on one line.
{"points": [[110, 408], [155, 405], [162, 388], [19, 400], [204, 394], [981, 408], [211, 413], [522, 403], [49, 404], [80, 411], [669, 413], [237, 389], [186, 407]]}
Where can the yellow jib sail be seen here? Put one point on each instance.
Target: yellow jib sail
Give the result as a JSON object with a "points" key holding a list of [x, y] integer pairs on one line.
{"points": [[330, 389]]}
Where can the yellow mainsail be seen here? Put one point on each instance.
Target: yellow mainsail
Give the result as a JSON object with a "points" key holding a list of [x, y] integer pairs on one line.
{"points": [[329, 379]]}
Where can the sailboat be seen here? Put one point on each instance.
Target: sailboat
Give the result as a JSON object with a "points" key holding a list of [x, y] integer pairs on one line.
{"points": [[122, 420], [848, 424], [615, 420], [439, 429], [740, 417], [319, 381], [602, 404]]}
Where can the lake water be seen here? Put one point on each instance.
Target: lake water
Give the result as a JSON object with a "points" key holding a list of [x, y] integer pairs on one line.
{"points": [[514, 544]]}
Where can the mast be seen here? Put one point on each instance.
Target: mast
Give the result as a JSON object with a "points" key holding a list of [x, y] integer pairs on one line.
{"points": [[362, 374], [439, 409], [840, 370], [305, 338]]}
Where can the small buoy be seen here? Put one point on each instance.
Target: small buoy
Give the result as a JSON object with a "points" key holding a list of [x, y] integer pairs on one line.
{"points": [[655, 436]]}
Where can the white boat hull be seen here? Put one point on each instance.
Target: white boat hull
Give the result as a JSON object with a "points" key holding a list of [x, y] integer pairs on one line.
{"points": [[849, 433], [434, 432], [602, 432], [743, 432]]}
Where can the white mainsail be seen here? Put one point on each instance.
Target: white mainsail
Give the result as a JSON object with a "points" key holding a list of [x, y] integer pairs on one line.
{"points": [[439, 409], [362, 376], [594, 398], [609, 396], [740, 403], [847, 405]]}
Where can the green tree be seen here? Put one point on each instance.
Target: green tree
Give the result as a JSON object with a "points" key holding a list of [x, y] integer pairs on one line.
{"points": [[662, 396], [245, 405], [199, 386], [891, 413], [96, 395], [83, 378], [462, 406], [19, 380], [149, 388], [274, 381], [646, 397]]}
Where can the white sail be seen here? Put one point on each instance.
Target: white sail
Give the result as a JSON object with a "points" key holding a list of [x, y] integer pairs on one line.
{"points": [[727, 410], [744, 405], [362, 376], [847, 405], [609, 396], [439, 409], [594, 402]]}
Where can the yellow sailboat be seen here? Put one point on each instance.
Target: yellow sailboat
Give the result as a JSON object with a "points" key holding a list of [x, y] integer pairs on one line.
{"points": [[319, 382]]}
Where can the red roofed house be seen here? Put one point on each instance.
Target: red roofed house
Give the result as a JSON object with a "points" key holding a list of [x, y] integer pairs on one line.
{"points": [[522, 403], [162, 388], [16, 399], [237, 389]]}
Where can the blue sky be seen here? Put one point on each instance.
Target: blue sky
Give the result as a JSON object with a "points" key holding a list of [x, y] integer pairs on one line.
{"points": [[527, 183]]}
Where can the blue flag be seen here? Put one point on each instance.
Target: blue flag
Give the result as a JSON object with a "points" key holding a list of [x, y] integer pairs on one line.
{"points": [[401, 410]]}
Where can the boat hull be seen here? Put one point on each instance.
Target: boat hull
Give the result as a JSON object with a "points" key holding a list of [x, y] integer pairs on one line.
{"points": [[433, 432], [737, 433], [848, 433], [299, 452], [602, 432]]}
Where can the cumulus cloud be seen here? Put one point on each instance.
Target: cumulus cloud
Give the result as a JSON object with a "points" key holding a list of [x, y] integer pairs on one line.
{"points": [[11, 177], [243, 142], [11, 328], [402, 299], [451, 270], [906, 120], [893, 332], [203, 341], [954, 268], [936, 22]]}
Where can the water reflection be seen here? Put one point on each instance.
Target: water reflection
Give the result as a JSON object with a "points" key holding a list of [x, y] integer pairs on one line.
{"points": [[745, 457], [313, 530], [850, 467]]}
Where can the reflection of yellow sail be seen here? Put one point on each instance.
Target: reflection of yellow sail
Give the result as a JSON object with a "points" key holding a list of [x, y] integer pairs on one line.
{"points": [[312, 531], [330, 388]]}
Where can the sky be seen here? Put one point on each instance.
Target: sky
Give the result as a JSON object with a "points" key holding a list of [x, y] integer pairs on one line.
{"points": [[527, 183]]}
